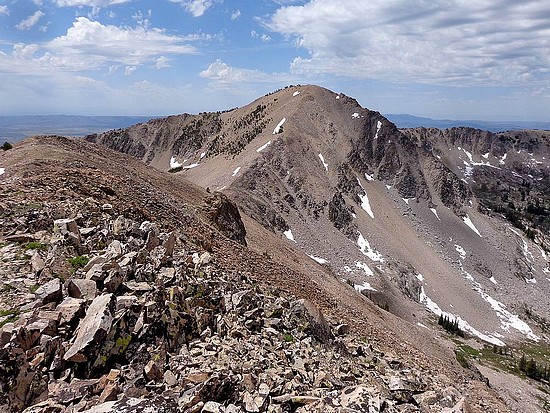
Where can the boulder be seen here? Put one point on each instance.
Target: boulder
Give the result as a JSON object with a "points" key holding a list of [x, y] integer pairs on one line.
{"points": [[316, 322], [92, 329], [51, 292], [70, 309], [82, 288]]}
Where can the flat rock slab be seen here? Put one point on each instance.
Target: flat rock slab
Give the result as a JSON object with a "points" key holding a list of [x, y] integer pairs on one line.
{"points": [[93, 328]]}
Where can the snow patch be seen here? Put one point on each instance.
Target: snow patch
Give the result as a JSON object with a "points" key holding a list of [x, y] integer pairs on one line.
{"points": [[469, 222], [486, 155], [460, 251], [355, 115], [261, 148], [279, 126], [193, 165], [203, 155], [435, 213], [2, 170], [378, 126], [365, 268], [367, 250], [407, 200], [363, 287], [318, 259], [365, 204], [462, 324], [492, 279], [530, 280], [369, 177], [289, 235], [174, 163], [236, 171], [295, 94], [337, 97], [323, 162], [347, 268]]}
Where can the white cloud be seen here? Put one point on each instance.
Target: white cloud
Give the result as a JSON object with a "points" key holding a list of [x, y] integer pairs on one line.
{"points": [[235, 15], [90, 44], [222, 75], [493, 42], [162, 62], [196, 7], [4, 10], [30, 21], [220, 71], [263, 37], [128, 70], [91, 3]]}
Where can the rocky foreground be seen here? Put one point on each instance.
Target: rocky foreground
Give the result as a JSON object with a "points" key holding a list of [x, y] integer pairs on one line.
{"points": [[103, 311]]}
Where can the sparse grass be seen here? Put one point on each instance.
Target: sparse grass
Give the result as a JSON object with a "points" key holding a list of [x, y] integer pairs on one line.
{"points": [[78, 262], [33, 288], [289, 338], [11, 314], [35, 245]]}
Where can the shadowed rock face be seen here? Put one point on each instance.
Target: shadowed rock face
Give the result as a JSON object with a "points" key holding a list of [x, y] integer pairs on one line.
{"points": [[224, 214]]}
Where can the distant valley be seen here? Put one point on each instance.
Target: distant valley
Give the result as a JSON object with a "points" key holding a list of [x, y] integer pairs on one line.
{"points": [[16, 128]]}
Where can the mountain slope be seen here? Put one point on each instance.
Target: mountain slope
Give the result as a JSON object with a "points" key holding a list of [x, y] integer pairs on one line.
{"points": [[396, 213], [194, 316]]}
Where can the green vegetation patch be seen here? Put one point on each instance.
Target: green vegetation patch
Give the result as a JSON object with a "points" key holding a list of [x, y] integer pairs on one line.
{"points": [[35, 245], [79, 262]]}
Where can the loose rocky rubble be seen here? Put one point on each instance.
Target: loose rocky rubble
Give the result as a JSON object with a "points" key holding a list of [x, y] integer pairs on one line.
{"points": [[148, 322]]}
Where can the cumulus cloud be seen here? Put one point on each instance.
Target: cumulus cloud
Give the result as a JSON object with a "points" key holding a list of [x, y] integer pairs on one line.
{"points": [[90, 44], [221, 71], [4, 10], [494, 42], [30, 21], [196, 7], [224, 76]]}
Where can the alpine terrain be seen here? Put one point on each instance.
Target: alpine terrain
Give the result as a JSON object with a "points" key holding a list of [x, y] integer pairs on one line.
{"points": [[298, 254]]}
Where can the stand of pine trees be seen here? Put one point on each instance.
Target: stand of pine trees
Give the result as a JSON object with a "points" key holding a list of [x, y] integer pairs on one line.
{"points": [[450, 325], [533, 370]]}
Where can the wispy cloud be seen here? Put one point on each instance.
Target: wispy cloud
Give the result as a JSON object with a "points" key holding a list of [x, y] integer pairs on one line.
{"points": [[4, 10], [91, 3], [30, 21], [235, 15], [196, 7], [492, 42]]}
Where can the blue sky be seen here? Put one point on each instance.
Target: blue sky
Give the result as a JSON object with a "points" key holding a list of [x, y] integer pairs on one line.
{"points": [[457, 59]]}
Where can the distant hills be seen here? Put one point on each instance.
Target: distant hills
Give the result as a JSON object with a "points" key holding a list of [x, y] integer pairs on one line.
{"points": [[410, 121], [16, 128]]}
